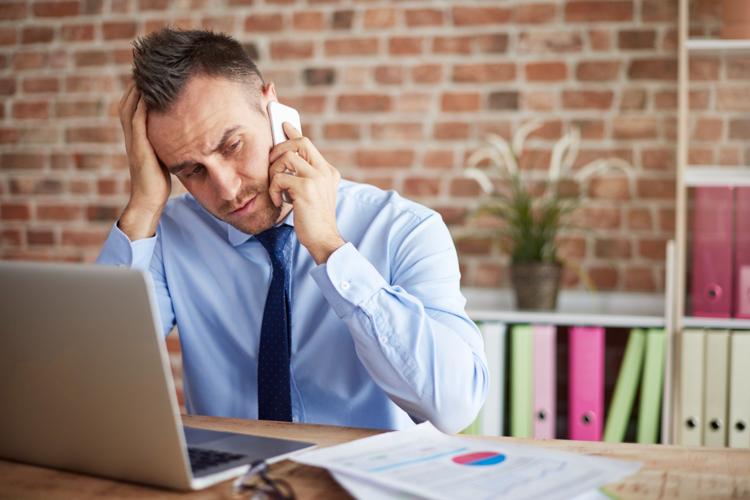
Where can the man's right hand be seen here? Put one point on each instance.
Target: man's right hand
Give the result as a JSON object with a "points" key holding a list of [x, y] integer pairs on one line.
{"points": [[150, 183]]}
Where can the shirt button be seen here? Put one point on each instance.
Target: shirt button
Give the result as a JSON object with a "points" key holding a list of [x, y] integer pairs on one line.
{"points": [[383, 339], [345, 285]]}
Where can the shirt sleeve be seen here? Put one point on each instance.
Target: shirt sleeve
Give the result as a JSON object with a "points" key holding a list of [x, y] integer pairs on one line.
{"points": [[412, 333], [146, 255]]}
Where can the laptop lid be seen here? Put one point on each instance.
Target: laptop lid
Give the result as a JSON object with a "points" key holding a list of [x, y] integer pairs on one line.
{"points": [[84, 375]]}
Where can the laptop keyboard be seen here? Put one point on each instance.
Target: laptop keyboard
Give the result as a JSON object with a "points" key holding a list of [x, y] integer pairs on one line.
{"points": [[202, 459]]}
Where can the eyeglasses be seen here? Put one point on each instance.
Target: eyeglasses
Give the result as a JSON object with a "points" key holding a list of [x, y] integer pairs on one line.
{"points": [[262, 487]]}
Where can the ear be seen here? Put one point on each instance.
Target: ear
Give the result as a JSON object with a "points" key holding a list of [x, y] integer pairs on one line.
{"points": [[269, 94]]}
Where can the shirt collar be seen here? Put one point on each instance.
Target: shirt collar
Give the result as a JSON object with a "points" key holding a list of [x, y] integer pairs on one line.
{"points": [[237, 237]]}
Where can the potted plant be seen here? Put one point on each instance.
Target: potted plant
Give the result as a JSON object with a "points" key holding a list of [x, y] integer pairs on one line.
{"points": [[533, 213]]}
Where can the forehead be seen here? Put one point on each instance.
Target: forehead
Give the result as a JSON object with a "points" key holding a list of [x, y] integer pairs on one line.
{"points": [[198, 118]]}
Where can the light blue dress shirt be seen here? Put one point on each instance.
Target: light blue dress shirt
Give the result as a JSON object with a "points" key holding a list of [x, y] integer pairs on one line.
{"points": [[380, 337]]}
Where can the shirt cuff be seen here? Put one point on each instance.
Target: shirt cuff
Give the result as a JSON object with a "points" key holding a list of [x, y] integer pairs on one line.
{"points": [[118, 250], [347, 280]]}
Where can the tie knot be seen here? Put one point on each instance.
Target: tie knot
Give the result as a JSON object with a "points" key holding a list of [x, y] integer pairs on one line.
{"points": [[276, 242]]}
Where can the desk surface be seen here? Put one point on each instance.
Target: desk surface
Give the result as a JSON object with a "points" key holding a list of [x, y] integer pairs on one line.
{"points": [[668, 471]]}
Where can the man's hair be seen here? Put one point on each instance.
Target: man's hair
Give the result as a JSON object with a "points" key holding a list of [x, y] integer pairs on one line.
{"points": [[164, 61]]}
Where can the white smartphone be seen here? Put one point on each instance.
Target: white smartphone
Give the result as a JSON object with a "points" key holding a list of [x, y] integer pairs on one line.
{"points": [[278, 114]]}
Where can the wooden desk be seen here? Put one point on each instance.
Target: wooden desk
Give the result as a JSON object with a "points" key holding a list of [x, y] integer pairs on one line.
{"points": [[668, 471]]}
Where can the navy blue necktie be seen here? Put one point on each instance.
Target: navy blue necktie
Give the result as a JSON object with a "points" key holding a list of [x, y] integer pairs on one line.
{"points": [[274, 388]]}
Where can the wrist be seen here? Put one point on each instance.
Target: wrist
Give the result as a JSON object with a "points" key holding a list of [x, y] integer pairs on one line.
{"points": [[322, 251], [139, 221]]}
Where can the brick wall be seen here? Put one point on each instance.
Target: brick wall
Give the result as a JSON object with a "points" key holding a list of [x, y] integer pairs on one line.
{"points": [[393, 93]]}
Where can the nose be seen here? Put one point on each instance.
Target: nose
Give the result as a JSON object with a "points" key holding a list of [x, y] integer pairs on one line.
{"points": [[226, 181]]}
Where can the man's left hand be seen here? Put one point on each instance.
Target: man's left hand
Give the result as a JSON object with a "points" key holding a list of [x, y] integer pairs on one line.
{"points": [[297, 167]]}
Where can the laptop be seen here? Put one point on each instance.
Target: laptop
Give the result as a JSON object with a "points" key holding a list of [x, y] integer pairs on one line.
{"points": [[86, 386]]}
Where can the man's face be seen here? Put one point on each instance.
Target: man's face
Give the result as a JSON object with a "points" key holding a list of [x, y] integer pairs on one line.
{"points": [[216, 141]]}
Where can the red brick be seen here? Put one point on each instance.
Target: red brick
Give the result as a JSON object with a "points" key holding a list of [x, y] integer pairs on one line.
{"points": [[40, 237], [452, 44], [309, 21], [14, 211], [639, 279], [539, 100], [598, 217], [402, 45], [424, 17], [390, 74], [739, 128], [610, 188], [600, 39], [351, 47], [118, 30], [29, 60], [224, 24], [263, 23], [37, 34], [658, 159], [703, 68], [733, 98], [11, 237], [90, 83], [652, 248], [612, 248], [738, 67], [8, 35], [656, 189], [571, 247], [653, 69], [77, 32], [22, 161], [640, 219], [438, 158], [473, 245], [363, 102], [590, 129], [472, 16], [460, 101], [427, 73], [93, 134], [598, 11], [380, 18], [535, 13], [633, 99], [482, 73], [603, 277], [465, 188], [636, 39], [83, 237], [40, 84], [700, 155], [31, 110], [291, 50], [348, 131], [546, 42], [13, 10], [493, 43], [342, 19], [451, 131], [56, 8], [667, 220], [708, 129], [600, 71], [546, 71], [421, 186], [397, 131], [58, 211], [27, 185], [368, 158], [659, 10], [104, 213], [587, 99], [635, 127], [452, 215], [92, 58], [78, 108]]}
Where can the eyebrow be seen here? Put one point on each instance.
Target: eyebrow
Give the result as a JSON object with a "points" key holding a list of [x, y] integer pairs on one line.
{"points": [[176, 169]]}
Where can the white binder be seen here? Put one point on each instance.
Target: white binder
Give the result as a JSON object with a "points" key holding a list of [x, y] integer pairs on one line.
{"points": [[739, 392], [494, 348], [717, 374], [692, 371]]}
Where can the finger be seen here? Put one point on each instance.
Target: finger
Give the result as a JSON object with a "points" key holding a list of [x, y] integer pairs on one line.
{"points": [[126, 115], [292, 163], [302, 146], [290, 131], [138, 121], [283, 182], [125, 95]]}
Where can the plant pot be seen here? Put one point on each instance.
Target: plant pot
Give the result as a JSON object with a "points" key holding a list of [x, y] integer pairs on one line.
{"points": [[536, 285], [736, 19]]}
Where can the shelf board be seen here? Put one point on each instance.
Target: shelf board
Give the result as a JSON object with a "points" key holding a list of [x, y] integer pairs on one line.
{"points": [[714, 175], [717, 44], [720, 323], [610, 309]]}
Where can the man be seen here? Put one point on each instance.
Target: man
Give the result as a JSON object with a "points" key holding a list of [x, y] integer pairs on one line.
{"points": [[341, 307]]}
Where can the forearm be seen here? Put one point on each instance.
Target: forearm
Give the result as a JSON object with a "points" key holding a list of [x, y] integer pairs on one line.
{"points": [[139, 221]]}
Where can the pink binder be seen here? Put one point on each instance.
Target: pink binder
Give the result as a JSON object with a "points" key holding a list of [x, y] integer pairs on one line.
{"points": [[711, 282], [586, 366], [742, 253], [544, 381]]}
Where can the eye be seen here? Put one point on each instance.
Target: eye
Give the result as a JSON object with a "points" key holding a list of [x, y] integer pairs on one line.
{"points": [[198, 169], [232, 147]]}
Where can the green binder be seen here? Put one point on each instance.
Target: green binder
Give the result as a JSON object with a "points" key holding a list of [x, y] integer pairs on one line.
{"points": [[627, 384], [651, 391], [521, 381]]}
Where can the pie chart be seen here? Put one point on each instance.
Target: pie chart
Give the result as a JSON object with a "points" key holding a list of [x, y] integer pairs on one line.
{"points": [[479, 458]]}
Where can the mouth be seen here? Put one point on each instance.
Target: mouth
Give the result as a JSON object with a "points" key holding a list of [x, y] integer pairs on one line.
{"points": [[244, 209]]}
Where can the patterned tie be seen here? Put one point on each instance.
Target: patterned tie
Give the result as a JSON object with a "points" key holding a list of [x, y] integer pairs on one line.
{"points": [[274, 389]]}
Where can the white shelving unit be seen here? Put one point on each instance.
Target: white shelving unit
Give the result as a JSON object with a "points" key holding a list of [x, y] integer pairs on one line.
{"points": [[714, 175], [716, 323], [716, 45]]}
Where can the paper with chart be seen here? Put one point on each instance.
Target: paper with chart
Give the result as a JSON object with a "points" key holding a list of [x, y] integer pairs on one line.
{"points": [[424, 462]]}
